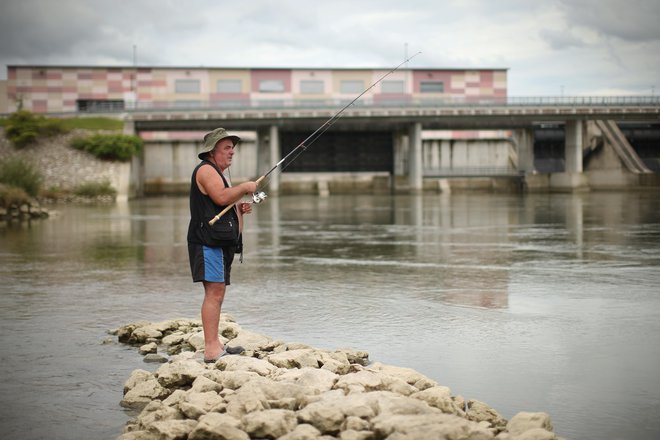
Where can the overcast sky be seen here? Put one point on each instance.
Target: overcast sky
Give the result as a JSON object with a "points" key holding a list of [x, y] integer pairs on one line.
{"points": [[574, 47]]}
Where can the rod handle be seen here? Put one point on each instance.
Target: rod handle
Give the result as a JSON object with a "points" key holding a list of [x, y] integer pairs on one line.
{"points": [[224, 211]]}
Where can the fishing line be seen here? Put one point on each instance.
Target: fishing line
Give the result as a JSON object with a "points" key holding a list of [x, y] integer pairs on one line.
{"points": [[259, 196]]}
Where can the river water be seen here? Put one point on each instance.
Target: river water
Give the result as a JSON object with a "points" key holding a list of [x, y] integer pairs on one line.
{"points": [[547, 302]]}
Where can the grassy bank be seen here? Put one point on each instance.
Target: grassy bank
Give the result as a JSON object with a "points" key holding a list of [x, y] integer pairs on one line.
{"points": [[91, 123]]}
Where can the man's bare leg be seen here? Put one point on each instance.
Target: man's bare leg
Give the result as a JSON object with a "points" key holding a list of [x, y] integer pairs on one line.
{"points": [[214, 294]]}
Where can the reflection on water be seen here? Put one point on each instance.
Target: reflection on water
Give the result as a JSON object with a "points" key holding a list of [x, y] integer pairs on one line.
{"points": [[537, 302]]}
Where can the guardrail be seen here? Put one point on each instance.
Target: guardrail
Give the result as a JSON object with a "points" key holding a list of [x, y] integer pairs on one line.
{"points": [[478, 102]]}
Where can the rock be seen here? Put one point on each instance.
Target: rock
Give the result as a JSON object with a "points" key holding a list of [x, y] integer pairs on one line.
{"points": [[355, 357], [243, 363], [179, 373], [351, 434], [322, 380], [272, 423], [141, 334], [525, 421], [195, 404], [155, 412], [325, 415], [229, 330], [480, 412], [439, 397], [353, 423], [302, 432], [154, 358], [218, 426], [143, 393], [138, 435], [174, 338], [536, 434], [203, 384], [296, 392], [366, 380], [173, 429], [124, 333], [136, 377], [252, 341], [425, 426], [232, 380], [295, 359]]}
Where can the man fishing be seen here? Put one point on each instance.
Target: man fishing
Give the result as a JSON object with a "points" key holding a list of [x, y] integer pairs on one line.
{"points": [[211, 248]]}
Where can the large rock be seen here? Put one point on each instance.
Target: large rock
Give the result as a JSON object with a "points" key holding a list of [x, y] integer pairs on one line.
{"points": [[143, 393], [136, 377], [232, 380], [252, 341], [439, 397], [408, 375], [141, 334], [480, 412], [196, 404], [155, 412], [428, 426], [179, 373], [303, 431], [300, 358], [218, 426], [243, 363], [367, 380], [272, 423], [525, 421], [322, 380], [173, 429]]}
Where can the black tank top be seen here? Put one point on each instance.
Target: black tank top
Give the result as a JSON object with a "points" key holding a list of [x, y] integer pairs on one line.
{"points": [[202, 207]]}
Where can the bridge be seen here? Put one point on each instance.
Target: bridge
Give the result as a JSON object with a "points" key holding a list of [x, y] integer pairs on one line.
{"points": [[404, 141]]}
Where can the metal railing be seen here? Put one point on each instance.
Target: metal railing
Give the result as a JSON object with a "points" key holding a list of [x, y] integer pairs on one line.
{"points": [[365, 103]]}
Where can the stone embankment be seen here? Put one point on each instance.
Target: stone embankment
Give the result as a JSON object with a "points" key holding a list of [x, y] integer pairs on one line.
{"points": [[24, 211], [60, 165], [278, 390]]}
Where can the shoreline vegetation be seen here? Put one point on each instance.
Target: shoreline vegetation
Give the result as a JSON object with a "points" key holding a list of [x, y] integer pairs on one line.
{"points": [[292, 391], [44, 161]]}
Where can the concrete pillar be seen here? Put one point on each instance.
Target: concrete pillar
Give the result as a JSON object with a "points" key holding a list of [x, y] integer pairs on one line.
{"points": [[415, 171], [129, 126], [524, 139], [275, 156], [573, 146]]}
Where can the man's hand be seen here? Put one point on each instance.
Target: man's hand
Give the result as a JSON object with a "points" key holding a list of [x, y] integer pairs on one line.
{"points": [[245, 207], [249, 187]]}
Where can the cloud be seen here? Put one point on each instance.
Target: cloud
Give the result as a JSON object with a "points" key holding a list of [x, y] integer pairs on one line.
{"points": [[544, 44], [629, 20], [561, 39]]}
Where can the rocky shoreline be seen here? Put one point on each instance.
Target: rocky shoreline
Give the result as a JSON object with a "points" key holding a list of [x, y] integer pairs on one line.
{"points": [[289, 391]]}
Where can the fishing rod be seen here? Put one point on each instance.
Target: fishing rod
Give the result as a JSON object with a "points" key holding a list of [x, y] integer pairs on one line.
{"points": [[259, 196]]}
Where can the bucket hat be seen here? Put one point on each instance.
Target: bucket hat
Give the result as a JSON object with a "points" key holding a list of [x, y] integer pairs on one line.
{"points": [[213, 137]]}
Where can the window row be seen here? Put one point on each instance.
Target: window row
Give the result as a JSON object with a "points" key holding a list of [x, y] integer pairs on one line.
{"points": [[306, 86]]}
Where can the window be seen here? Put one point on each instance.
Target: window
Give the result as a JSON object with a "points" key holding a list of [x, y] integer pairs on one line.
{"points": [[311, 86], [392, 86], [351, 86], [229, 86], [271, 86], [187, 86], [187, 104], [431, 87], [99, 105]]}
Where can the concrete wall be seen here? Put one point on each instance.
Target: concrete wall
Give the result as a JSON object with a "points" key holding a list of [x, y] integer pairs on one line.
{"points": [[168, 164], [4, 102]]}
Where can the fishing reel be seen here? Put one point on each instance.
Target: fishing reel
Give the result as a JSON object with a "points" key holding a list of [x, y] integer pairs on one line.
{"points": [[259, 197]]}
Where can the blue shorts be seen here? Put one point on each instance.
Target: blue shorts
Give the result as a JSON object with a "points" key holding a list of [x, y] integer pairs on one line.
{"points": [[210, 264]]}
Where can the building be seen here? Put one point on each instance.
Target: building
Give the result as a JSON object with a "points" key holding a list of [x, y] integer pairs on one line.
{"points": [[67, 89]]}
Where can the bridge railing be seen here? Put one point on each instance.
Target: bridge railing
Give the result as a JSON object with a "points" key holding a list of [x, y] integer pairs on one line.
{"points": [[367, 102]]}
